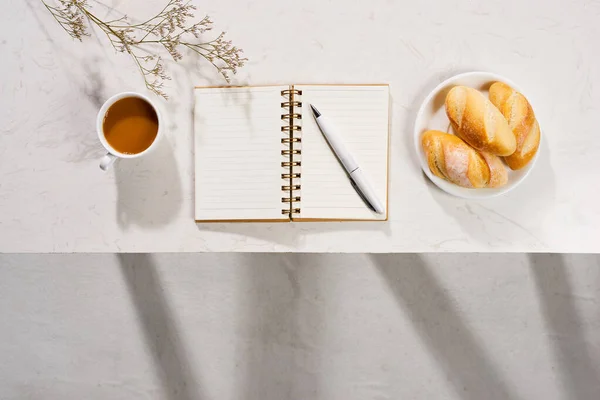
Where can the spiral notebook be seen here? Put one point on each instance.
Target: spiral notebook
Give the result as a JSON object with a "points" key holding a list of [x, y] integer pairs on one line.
{"points": [[260, 156]]}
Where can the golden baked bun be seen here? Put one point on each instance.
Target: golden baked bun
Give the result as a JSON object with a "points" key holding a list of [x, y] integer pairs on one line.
{"points": [[498, 172], [478, 122], [521, 119], [450, 158]]}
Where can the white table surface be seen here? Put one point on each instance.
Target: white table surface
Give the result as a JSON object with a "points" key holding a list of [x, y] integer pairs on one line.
{"points": [[54, 198]]}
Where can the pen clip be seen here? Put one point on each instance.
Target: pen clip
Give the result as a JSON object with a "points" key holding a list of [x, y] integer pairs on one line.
{"points": [[361, 194]]}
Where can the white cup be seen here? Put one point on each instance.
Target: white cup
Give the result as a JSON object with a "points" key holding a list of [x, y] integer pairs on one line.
{"points": [[112, 155]]}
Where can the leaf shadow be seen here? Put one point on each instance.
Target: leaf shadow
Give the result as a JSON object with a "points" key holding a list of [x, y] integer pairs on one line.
{"points": [[282, 324], [466, 362], [579, 372], [159, 327]]}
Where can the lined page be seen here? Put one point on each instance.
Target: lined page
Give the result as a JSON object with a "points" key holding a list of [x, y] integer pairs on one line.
{"points": [[238, 153], [361, 113]]}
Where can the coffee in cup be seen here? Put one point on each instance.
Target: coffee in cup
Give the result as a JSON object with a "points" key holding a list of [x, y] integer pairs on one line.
{"points": [[128, 126]]}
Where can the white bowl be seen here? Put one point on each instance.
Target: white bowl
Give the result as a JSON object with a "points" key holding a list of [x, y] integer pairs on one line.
{"points": [[432, 115]]}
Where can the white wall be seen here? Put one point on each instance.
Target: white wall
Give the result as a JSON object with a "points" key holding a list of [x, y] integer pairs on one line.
{"points": [[299, 327]]}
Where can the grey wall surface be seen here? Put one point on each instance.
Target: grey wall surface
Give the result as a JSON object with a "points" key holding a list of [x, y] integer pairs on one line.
{"points": [[273, 327]]}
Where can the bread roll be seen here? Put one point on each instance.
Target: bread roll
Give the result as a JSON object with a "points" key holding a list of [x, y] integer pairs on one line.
{"points": [[453, 160], [498, 173], [521, 119], [478, 122]]}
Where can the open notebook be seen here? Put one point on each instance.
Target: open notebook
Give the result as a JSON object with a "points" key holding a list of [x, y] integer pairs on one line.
{"points": [[260, 156]]}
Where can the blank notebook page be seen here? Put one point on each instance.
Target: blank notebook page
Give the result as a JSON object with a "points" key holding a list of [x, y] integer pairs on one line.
{"points": [[237, 134], [361, 113]]}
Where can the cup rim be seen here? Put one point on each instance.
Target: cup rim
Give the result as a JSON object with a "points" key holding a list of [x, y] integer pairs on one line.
{"points": [[100, 121]]}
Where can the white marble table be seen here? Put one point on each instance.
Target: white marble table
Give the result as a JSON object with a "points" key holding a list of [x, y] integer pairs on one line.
{"points": [[54, 198]]}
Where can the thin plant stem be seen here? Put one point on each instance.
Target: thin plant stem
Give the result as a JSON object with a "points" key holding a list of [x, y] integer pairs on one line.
{"points": [[169, 29]]}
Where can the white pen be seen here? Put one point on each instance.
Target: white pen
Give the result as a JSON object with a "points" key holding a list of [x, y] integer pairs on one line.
{"points": [[357, 177]]}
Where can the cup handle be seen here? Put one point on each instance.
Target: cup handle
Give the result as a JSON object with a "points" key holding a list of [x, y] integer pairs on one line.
{"points": [[107, 161]]}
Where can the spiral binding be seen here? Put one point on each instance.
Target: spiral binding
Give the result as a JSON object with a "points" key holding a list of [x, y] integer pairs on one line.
{"points": [[291, 116], [292, 151], [290, 199], [290, 140], [288, 104], [289, 128], [291, 93]]}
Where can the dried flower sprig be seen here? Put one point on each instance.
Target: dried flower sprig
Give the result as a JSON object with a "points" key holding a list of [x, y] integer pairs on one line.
{"points": [[168, 29]]}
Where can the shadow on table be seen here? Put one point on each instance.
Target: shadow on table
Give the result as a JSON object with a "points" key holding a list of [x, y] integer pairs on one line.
{"points": [[466, 362], [579, 372], [281, 322], [149, 190], [496, 221], [293, 234], [160, 330], [86, 77]]}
